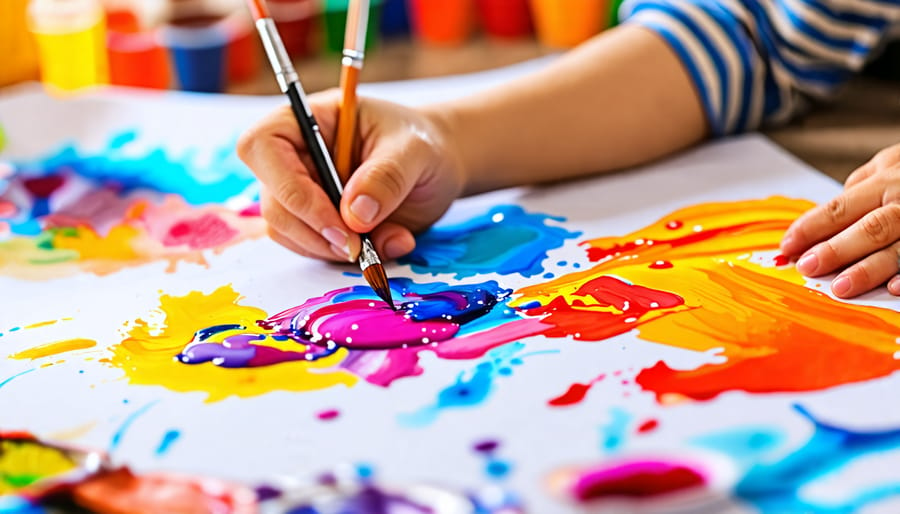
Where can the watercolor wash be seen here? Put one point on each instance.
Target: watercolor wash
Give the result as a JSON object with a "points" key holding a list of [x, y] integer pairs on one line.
{"points": [[687, 280]]}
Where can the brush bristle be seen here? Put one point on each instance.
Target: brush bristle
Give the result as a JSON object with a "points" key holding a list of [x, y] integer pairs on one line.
{"points": [[377, 278], [258, 9]]}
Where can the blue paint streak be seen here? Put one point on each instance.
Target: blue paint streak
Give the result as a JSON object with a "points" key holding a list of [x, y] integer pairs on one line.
{"points": [[166, 443], [123, 428], [218, 179], [470, 389], [613, 434], [506, 240], [775, 486], [17, 375]]}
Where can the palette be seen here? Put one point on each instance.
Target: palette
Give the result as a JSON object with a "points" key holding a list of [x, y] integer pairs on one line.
{"points": [[630, 341]]}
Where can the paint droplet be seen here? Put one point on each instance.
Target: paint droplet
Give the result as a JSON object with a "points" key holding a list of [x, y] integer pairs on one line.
{"points": [[328, 415], [648, 426], [661, 265], [674, 225], [782, 260], [486, 446]]}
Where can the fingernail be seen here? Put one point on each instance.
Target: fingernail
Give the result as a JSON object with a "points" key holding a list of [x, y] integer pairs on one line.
{"points": [[894, 286], [365, 208], [841, 286], [808, 264], [338, 239], [395, 248], [341, 252]]}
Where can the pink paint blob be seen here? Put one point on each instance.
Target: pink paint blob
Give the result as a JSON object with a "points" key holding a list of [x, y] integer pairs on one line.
{"points": [[207, 231]]}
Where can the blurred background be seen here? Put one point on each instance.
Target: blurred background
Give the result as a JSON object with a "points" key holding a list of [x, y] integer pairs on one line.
{"points": [[211, 46]]}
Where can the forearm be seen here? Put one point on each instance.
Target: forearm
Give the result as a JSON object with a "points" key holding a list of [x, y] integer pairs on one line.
{"points": [[620, 100]]}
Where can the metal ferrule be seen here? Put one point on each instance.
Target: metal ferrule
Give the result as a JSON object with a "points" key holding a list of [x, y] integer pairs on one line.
{"points": [[353, 58], [281, 62], [367, 255]]}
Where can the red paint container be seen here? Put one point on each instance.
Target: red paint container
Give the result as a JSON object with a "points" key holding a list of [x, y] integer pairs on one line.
{"points": [[442, 22], [136, 59], [244, 50], [296, 20], [505, 18]]}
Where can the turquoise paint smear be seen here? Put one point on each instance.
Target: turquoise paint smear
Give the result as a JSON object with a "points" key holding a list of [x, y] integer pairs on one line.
{"points": [[17, 375], [506, 240], [215, 180], [473, 388], [123, 428], [165, 444], [614, 433], [776, 486]]}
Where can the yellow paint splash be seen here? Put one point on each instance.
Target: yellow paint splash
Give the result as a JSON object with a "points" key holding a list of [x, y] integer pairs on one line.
{"points": [[147, 355], [53, 349]]}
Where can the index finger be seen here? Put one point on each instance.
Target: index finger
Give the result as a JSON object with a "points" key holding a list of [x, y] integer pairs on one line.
{"points": [[826, 220], [276, 153]]}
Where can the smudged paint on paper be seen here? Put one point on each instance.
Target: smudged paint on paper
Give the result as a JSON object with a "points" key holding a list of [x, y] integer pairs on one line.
{"points": [[54, 349]]}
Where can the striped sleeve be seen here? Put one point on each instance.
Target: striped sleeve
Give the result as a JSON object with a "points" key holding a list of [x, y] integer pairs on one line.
{"points": [[756, 62]]}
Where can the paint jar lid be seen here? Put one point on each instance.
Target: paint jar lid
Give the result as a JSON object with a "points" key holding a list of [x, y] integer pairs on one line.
{"points": [[63, 16]]}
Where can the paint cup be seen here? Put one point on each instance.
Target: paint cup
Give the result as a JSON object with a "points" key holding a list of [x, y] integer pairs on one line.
{"points": [[394, 18], [244, 50], [71, 41], [296, 22], [442, 22], [505, 18], [20, 59], [135, 57], [614, 12], [197, 44], [566, 23], [334, 15]]}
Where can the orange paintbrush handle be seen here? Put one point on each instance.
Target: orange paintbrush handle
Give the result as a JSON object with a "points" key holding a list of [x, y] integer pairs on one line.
{"points": [[346, 127]]}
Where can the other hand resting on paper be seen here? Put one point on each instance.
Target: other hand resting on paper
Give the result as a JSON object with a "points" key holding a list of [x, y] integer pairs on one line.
{"points": [[858, 230]]}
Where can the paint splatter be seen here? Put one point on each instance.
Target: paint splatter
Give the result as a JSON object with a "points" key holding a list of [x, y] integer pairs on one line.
{"points": [[613, 434], [72, 212], [776, 485], [120, 432], [168, 439], [648, 426], [473, 388], [54, 349], [576, 393], [506, 240], [328, 415], [225, 349], [17, 375], [636, 479], [495, 468], [762, 320]]}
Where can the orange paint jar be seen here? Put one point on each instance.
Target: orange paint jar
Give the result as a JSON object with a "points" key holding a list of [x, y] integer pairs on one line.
{"points": [[566, 23], [442, 22]]}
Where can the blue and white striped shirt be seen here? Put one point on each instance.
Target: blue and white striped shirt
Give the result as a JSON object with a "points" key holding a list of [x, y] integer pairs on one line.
{"points": [[757, 62]]}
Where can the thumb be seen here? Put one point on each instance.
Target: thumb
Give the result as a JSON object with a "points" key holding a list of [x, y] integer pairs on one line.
{"points": [[374, 191]]}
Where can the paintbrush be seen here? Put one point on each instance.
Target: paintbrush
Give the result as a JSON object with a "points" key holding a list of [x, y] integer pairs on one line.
{"points": [[289, 82], [351, 65]]}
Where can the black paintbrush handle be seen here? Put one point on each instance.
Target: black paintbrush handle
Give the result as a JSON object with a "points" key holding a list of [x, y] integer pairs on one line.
{"points": [[318, 152]]}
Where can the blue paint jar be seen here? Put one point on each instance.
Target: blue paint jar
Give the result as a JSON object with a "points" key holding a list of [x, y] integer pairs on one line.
{"points": [[198, 45]]}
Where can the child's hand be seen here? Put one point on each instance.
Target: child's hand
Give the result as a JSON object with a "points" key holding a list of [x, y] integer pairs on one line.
{"points": [[408, 176], [859, 229]]}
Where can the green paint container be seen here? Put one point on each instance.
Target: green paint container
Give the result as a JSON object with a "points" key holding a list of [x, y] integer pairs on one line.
{"points": [[335, 18]]}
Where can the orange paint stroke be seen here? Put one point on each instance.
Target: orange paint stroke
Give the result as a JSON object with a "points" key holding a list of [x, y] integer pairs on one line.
{"points": [[775, 334], [147, 355], [54, 349]]}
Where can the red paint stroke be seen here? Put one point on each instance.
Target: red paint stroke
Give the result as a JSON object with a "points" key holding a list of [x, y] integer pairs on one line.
{"points": [[596, 254], [630, 302], [207, 231], [648, 426], [328, 415], [43, 187], [7, 209], [575, 394], [635, 479], [781, 260], [251, 211]]}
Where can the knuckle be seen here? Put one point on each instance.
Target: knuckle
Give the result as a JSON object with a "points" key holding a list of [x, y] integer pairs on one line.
{"points": [[836, 209], [291, 195], [877, 225], [388, 175], [863, 273]]}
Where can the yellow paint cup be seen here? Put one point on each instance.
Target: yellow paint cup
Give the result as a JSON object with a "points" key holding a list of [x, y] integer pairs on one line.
{"points": [[566, 23], [20, 61], [71, 40]]}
